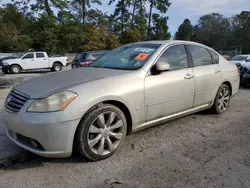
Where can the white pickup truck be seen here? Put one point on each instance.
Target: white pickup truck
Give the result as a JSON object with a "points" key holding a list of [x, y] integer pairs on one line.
{"points": [[34, 60]]}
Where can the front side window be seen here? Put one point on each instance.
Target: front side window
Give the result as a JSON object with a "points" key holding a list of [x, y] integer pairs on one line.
{"points": [[200, 55], [40, 55], [128, 57], [176, 57], [29, 56]]}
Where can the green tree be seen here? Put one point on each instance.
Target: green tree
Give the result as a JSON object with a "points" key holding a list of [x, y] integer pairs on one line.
{"points": [[159, 30], [161, 5], [185, 31], [121, 14], [79, 8], [42, 5], [212, 30]]}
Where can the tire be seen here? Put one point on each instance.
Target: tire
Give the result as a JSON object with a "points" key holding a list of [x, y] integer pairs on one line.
{"points": [[91, 134], [15, 69], [56, 67], [222, 100]]}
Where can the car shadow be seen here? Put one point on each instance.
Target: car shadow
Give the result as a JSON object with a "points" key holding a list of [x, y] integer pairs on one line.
{"points": [[26, 160]]}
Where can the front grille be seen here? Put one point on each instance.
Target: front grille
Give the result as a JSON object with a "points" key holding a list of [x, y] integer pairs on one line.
{"points": [[15, 101]]}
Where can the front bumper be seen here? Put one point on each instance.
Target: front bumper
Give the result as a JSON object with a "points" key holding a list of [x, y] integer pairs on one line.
{"points": [[51, 138], [6, 68], [245, 79]]}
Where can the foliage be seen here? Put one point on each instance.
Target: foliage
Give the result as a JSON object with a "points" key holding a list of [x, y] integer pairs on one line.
{"points": [[59, 26], [216, 31], [185, 31]]}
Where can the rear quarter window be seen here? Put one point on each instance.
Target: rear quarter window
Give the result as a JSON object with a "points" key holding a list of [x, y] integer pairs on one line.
{"points": [[215, 57], [200, 55]]}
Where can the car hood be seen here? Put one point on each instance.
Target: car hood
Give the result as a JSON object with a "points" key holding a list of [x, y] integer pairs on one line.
{"points": [[43, 86], [237, 61], [11, 61]]}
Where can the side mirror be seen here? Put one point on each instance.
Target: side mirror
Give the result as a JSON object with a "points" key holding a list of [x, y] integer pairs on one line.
{"points": [[162, 66], [247, 60]]}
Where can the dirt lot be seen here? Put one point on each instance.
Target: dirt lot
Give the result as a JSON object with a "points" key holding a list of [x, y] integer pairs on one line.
{"points": [[200, 150]]}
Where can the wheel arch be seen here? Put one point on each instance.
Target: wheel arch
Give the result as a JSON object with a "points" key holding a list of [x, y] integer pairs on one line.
{"points": [[16, 65], [117, 104], [57, 62], [229, 85]]}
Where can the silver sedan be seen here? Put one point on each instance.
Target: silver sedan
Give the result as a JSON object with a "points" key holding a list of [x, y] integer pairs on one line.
{"points": [[128, 89]]}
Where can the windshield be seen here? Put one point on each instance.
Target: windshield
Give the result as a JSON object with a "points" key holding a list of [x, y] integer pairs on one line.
{"points": [[239, 58], [129, 57]]}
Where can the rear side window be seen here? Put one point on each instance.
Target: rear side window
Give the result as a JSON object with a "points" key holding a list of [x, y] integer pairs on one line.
{"points": [[29, 56], [200, 55], [80, 57], [215, 57], [176, 57], [40, 55], [93, 56]]}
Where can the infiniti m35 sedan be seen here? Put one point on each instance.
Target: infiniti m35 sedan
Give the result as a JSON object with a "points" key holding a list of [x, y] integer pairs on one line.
{"points": [[128, 89]]}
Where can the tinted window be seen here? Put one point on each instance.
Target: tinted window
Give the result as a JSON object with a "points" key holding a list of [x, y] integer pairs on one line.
{"points": [[95, 55], [29, 56], [200, 56], [215, 57], [40, 55], [176, 56], [80, 57]]}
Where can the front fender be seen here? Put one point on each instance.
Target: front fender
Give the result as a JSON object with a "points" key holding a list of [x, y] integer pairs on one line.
{"points": [[76, 111]]}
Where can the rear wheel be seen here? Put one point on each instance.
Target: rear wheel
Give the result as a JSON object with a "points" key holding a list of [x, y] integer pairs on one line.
{"points": [[15, 69], [101, 132], [56, 67], [222, 99]]}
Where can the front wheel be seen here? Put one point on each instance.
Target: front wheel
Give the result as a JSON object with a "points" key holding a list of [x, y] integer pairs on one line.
{"points": [[15, 69], [101, 132], [222, 99]]}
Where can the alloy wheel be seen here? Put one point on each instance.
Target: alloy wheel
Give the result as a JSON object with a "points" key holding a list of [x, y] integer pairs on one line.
{"points": [[223, 100], [105, 133]]}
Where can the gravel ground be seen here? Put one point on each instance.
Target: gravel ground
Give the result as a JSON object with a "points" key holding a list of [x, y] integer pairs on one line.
{"points": [[200, 150]]}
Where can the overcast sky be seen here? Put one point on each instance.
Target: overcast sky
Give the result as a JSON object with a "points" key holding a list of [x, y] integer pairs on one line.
{"points": [[191, 9]]}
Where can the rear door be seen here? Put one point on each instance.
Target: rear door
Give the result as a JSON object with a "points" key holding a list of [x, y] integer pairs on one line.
{"points": [[41, 60], [207, 74]]}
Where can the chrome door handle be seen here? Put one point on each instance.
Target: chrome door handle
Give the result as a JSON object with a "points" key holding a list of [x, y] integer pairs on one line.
{"points": [[217, 71], [188, 76]]}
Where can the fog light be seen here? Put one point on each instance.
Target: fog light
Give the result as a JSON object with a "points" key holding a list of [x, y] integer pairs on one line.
{"points": [[33, 143]]}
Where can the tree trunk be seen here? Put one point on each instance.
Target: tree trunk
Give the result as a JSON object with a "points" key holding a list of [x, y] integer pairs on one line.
{"points": [[83, 12], [47, 8], [133, 13], [122, 18], [149, 19]]}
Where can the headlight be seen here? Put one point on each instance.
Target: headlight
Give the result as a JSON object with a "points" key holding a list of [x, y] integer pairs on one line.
{"points": [[55, 102]]}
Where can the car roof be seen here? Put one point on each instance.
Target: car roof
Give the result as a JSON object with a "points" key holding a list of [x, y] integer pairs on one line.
{"points": [[166, 42], [244, 55], [93, 51]]}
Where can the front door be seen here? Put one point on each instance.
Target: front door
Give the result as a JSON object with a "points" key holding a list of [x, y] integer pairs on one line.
{"points": [[28, 61], [172, 91]]}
